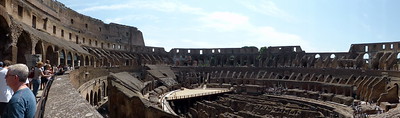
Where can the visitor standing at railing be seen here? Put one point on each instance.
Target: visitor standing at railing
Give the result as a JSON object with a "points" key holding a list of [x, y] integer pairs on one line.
{"points": [[23, 103], [48, 71], [45, 68], [38, 73], [5, 91]]}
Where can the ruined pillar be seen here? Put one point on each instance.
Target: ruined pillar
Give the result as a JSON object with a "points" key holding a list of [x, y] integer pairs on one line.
{"points": [[14, 52]]}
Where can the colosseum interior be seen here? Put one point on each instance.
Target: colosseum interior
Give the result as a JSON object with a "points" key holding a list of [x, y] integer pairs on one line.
{"points": [[114, 74]]}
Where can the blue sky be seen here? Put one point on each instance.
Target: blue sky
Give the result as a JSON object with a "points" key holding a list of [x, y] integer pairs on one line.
{"points": [[315, 25]]}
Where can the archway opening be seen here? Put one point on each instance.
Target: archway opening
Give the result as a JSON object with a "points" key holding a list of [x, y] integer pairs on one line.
{"points": [[51, 56], [95, 101], [104, 89], [332, 56], [80, 60], [98, 97], [87, 97], [69, 59], [91, 98], [5, 40], [39, 49], [76, 60], [87, 61], [24, 41], [62, 57], [317, 56], [366, 58], [92, 61]]}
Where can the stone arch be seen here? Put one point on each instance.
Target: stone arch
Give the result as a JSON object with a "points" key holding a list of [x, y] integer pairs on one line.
{"points": [[91, 97], [366, 58], [99, 62], [4, 17], [317, 56], [105, 62], [25, 41], [397, 66], [99, 96], [75, 59], [113, 62], [62, 57], [87, 97], [81, 60], [5, 37], [398, 56], [95, 100], [104, 89], [86, 60], [51, 55], [69, 59], [92, 61], [39, 49], [332, 56]]}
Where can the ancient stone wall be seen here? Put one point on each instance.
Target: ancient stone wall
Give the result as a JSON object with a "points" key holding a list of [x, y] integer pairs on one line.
{"points": [[60, 21], [341, 88], [128, 102], [64, 100]]}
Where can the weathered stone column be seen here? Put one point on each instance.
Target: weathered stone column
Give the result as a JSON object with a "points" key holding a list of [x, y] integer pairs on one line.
{"points": [[14, 53]]}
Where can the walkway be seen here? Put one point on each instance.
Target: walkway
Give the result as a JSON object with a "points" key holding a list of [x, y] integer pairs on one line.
{"points": [[187, 93]]}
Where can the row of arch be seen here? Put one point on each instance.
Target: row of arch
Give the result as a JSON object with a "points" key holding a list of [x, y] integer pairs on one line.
{"points": [[96, 94], [21, 45], [18, 45], [215, 60]]}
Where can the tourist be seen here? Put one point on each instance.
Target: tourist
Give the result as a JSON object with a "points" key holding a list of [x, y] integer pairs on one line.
{"points": [[60, 70], [23, 103], [5, 90], [48, 71], [38, 73], [43, 78], [30, 78]]}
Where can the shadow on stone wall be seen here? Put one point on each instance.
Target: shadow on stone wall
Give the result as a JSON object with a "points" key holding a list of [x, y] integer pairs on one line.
{"points": [[126, 100]]}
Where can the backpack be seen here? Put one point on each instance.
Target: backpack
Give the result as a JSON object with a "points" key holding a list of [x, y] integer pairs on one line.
{"points": [[31, 74]]}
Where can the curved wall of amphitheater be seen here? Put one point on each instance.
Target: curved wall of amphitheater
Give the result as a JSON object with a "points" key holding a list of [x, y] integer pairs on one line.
{"points": [[114, 70]]}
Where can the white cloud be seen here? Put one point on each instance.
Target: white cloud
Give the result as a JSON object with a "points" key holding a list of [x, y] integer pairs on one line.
{"points": [[114, 20], [225, 21], [105, 7], [151, 42], [268, 8], [127, 18], [162, 6], [271, 37], [240, 31], [246, 33], [199, 44]]}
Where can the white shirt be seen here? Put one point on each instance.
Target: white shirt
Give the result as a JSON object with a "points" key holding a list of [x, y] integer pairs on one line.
{"points": [[5, 91]]}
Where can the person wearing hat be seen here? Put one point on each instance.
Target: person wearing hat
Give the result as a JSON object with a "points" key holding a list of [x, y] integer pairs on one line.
{"points": [[38, 73], [5, 91]]}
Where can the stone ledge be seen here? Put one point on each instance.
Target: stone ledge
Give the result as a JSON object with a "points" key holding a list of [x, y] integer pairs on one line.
{"points": [[65, 101]]}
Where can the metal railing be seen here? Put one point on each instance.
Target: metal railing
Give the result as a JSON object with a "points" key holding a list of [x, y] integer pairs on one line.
{"points": [[41, 104]]}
